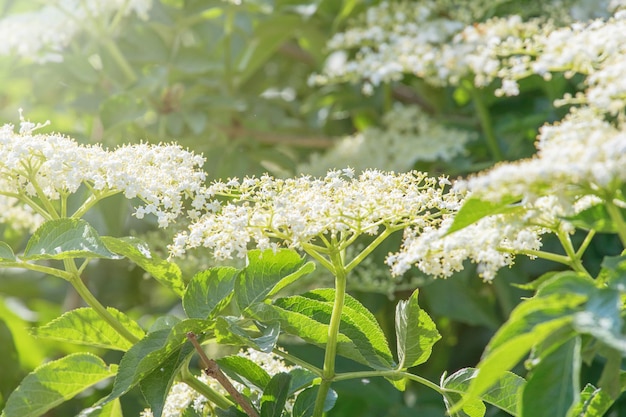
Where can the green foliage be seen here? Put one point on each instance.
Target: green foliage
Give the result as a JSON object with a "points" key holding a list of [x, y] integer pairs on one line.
{"points": [[275, 395], [167, 273], [475, 209], [152, 352], [84, 326], [416, 333], [66, 239], [504, 393], [209, 291], [308, 316], [230, 81], [267, 273], [55, 382]]}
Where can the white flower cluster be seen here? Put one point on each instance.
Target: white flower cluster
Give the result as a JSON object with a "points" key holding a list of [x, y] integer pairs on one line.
{"points": [[490, 243], [42, 35], [49, 166], [403, 38], [305, 210], [582, 154], [579, 161], [181, 396], [408, 135]]}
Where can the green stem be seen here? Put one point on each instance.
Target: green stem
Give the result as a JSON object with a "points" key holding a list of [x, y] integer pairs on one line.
{"points": [[328, 372], [373, 245], [29, 202], [389, 374], [486, 123], [93, 302], [121, 61], [315, 255], [574, 261], [47, 204], [91, 201], [229, 22], [618, 220], [202, 388], [39, 268], [583, 246], [562, 259]]}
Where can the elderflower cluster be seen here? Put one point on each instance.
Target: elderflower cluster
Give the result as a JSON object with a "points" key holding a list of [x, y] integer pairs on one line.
{"points": [[42, 34], [300, 211], [40, 168], [491, 242], [182, 398], [595, 49], [580, 161], [394, 39], [408, 135], [582, 154]]}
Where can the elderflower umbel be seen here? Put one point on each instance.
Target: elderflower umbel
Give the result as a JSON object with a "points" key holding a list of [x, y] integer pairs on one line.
{"points": [[41, 35], [394, 39], [491, 242], [35, 168], [409, 135], [313, 211], [181, 397], [580, 161], [582, 154]]}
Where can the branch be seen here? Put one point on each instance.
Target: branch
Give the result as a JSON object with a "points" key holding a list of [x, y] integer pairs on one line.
{"points": [[213, 370]]}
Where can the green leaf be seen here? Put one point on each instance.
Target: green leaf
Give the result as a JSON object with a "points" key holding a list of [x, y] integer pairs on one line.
{"points": [[244, 370], [56, 382], [156, 385], [553, 385], [530, 323], [138, 251], [535, 284], [300, 378], [416, 333], [31, 353], [534, 311], [232, 330], [6, 253], [152, 351], [209, 292], [267, 273], [85, 327], [66, 239], [566, 282], [602, 319], [474, 408], [275, 395], [9, 363], [614, 272], [268, 36], [120, 108], [475, 209], [610, 380], [305, 402], [112, 409], [308, 316], [593, 403], [504, 393], [499, 360]]}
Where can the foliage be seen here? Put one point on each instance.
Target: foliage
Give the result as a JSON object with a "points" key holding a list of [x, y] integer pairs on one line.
{"points": [[280, 294]]}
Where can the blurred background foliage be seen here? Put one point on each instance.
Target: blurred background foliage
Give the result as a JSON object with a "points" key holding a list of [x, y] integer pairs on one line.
{"points": [[230, 80]]}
